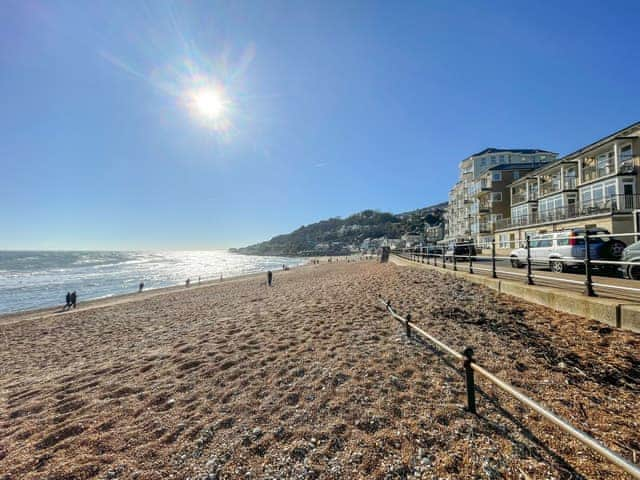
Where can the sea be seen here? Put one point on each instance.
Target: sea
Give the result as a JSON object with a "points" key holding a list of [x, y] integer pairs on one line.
{"points": [[38, 279]]}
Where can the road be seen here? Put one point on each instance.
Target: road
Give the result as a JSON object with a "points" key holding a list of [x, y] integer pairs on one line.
{"points": [[606, 286]]}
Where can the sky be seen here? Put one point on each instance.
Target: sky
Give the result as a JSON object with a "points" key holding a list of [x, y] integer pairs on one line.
{"points": [[321, 109]]}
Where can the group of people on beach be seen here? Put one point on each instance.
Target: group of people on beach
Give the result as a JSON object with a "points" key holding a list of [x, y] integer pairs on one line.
{"points": [[71, 299]]}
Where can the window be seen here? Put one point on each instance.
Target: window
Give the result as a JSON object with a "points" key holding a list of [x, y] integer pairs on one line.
{"points": [[496, 176], [545, 242], [496, 196], [626, 154], [516, 175]]}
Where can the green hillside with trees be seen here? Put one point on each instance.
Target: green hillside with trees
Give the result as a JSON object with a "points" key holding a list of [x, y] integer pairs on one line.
{"points": [[343, 232]]}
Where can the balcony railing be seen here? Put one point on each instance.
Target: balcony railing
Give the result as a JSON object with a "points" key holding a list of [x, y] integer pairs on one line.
{"points": [[550, 187], [614, 204], [484, 206], [594, 172], [519, 197]]}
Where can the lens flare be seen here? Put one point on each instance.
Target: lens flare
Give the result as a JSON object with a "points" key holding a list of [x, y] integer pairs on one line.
{"points": [[209, 103]]}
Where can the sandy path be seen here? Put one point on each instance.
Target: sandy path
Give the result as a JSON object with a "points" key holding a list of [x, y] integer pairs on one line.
{"points": [[309, 379]]}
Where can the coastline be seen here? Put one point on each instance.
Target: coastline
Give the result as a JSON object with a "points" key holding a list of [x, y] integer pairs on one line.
{"points": [[94, 303]]}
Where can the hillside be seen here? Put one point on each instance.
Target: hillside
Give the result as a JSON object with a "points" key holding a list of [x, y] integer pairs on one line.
{"points": [[339, 233]]}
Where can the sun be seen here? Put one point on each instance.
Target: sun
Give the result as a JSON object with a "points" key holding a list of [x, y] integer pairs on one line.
{"points": [[209, 103]]}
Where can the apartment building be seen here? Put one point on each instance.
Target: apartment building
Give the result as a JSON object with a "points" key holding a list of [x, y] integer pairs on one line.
{"points": [[493, 195], [463, 219], [434, 233], [596, 185]]}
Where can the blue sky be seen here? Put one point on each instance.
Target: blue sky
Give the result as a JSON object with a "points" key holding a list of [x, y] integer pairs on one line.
{"points": [[331, 108]]}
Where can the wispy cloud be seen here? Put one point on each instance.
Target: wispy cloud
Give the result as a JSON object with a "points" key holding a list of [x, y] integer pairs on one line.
{"points": [[321, 165]]}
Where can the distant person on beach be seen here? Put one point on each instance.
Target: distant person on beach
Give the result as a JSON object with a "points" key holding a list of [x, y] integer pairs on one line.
{"points": [[140, 287], [269, 277], [68, 304], [74, 298], [188, 282]]}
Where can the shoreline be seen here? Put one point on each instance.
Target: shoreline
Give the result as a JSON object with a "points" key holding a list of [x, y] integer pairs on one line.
{"points": [[94, 303]]}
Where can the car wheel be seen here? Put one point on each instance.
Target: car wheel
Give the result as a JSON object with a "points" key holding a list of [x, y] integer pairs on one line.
{"points": [[612, 249], [633, 272], [515, 263], [557, 267]]}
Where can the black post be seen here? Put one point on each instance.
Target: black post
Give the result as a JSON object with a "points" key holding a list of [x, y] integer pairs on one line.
{"points": [[435, 259], [471, 386], [453, 256], [470, 259], [588, 282], [493, 258], [444, 259], [406, 325], [529, 277]]}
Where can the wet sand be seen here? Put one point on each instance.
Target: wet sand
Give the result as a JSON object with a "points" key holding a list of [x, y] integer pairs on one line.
{"points": [[310, 379]]}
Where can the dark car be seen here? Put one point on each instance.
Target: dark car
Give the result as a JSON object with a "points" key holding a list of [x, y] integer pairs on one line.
{"points": [[460, 251], [631, 254]]}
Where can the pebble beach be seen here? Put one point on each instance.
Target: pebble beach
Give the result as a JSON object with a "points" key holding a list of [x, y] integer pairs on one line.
{"points": [[311, 378]]}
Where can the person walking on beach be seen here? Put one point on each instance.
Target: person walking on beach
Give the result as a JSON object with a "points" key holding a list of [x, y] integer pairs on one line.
{"points": [[68, 304], [140, 287], [269, 277], [74, 298], [188, 282]]}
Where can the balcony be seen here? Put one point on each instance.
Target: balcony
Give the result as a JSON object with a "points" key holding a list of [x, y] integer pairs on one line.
{"points": [[614, 204], [484, 207], [550, 187], [598, 171], [570, 182], [518, 197], [485, 227]]}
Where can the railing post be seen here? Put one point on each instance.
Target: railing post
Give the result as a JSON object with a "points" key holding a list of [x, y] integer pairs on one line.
{"points": [[588, 282], [435, 259], [471, 387], [470, 259], [407, 326], [444, 259], [493, 258], [529, 277], [453, 256]]}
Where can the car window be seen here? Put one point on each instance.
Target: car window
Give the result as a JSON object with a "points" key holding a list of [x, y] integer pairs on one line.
{"points": [[562, 241], [544, 243]]}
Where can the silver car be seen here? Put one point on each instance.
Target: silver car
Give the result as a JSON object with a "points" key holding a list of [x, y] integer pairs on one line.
{"points": [[565, 249]]}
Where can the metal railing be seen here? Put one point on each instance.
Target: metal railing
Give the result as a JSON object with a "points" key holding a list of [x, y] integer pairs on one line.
{"points": [[475, 257], [470, 366]]}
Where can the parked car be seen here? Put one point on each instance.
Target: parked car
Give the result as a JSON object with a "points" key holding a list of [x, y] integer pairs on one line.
{"points": [[460, 251], [565, 249], [631, 254]]}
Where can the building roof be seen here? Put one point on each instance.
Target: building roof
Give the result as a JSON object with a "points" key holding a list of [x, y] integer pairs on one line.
{"points": [[525, 151], [608, 138]]}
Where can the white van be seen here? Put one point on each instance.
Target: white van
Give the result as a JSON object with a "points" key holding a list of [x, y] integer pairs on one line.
{"points": [[565, 249]]}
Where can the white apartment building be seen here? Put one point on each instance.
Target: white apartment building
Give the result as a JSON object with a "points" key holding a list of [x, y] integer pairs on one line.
{"points": [[463, 210]]}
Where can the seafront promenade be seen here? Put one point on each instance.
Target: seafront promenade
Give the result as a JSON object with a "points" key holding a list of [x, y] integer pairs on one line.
{"points": [[310, 379]]}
